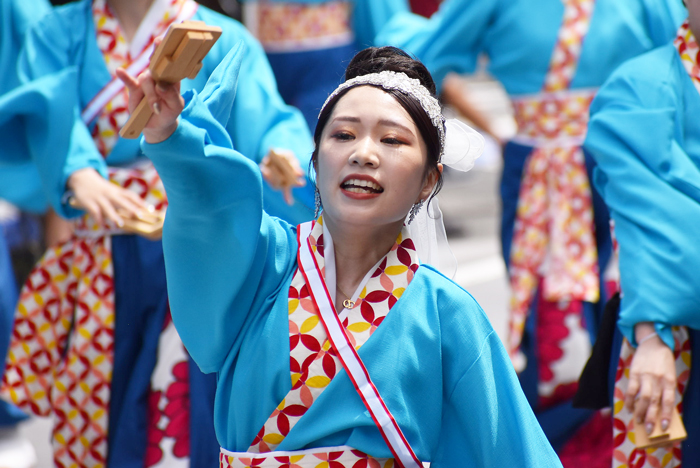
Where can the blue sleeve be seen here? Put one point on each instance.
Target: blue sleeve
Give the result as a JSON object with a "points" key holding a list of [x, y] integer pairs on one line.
{"points": [[261, 121], [224, 257], [663, 20], [482, 391], [52, 47], [450, 41], [15, 18], [369, 16], [652, 188]]}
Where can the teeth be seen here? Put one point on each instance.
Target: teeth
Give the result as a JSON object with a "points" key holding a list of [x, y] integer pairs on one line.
{"points": [[357, 183]]}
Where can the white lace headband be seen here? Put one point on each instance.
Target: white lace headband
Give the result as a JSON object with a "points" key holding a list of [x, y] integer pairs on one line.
{"points": [[400, 82]]}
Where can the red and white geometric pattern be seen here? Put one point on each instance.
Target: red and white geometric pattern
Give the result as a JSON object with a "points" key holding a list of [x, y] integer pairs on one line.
{"points": [[625, 453], [169, 404], [688, 49], [313, 362], [342, 457], [72, 286], [62, 350]]}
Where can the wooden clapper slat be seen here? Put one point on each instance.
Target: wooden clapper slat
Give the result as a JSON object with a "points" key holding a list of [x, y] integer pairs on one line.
{"points": [[177, 57], [658, 438]]}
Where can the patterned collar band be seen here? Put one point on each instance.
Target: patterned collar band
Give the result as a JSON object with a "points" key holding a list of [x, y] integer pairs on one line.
{"points": [[409, 86]]}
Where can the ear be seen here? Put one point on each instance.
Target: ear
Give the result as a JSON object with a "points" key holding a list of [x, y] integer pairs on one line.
{"points": [[429, 183]]}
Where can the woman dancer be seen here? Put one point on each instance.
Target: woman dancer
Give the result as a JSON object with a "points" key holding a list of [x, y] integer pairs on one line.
{"points": [[550, 56], [281, 329], [93, 315], [645, 137]]}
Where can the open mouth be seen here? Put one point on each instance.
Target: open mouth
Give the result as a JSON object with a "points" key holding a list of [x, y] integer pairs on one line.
{"points": [[361, 186]]}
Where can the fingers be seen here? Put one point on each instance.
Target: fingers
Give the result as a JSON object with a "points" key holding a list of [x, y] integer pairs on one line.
{"points": [[653, 409], [148, 86], [632, 390], [128, 80], [169, 94], [288, 197], [668, 401], [110, 212], [130, 202], [643, 399]]}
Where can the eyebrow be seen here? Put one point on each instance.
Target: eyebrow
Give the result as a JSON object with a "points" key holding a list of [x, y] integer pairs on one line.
{"points": [[385, 122]]}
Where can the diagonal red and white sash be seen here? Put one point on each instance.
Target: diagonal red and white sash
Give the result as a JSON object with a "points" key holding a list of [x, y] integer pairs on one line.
{"points": [[348, 356]]}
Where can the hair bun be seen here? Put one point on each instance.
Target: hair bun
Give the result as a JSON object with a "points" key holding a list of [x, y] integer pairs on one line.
{"points": [[378, 59]]}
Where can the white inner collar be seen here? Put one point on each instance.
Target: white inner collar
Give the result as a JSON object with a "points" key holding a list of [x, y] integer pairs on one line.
{"points": [[148, 25], [330, 272]]}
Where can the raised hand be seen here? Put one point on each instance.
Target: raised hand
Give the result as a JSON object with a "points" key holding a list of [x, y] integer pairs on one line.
{"points": [[281, 169], [163, 98]]}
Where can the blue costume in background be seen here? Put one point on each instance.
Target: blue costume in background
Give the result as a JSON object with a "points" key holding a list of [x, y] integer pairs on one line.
{"points": [[645, 137], [63, 69], [19, 183], [518, 36], [450, 384], [309, 43]]}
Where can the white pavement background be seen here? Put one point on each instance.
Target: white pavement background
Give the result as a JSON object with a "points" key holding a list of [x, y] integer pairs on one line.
{"points": [[471, 208]]}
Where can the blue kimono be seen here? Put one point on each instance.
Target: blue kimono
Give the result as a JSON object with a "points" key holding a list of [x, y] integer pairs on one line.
{"points": [[458, 401], [645, 137], [307, 76], [518, 36], [15, 18], [19, 182], [62, 69]]}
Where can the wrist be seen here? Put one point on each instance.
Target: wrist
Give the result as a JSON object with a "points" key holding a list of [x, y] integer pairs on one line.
{"points": [[646, 332], [73, 179], [154, 136]]}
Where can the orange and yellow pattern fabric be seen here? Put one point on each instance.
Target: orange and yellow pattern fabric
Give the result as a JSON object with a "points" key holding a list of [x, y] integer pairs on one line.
{"points": [[553, 239], [342, 457], [116, 52], [282, 26], [313, 362], [625, 453], [688, 50], [61, 354]]}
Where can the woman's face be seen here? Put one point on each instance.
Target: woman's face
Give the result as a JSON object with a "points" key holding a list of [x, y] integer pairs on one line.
{"points": [[371, 160]]}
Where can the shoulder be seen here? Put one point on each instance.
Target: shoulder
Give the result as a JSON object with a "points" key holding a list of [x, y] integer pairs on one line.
{"points": [[455, 306], [63, 24], [647, 80]]}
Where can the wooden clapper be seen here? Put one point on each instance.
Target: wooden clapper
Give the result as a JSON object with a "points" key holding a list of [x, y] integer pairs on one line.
{"points": [[177, 57], [658, 438]]}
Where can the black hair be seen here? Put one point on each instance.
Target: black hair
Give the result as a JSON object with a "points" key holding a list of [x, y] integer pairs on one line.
{"points": [[379, 59]]}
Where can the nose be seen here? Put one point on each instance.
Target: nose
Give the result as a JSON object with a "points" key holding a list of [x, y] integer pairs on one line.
{"points": [[365, 154]]}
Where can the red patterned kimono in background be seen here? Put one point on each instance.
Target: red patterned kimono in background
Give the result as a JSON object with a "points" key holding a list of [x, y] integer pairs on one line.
{"points": [[425, 7], [553, 257], [62, 351], [314, 362], [625, 453]]}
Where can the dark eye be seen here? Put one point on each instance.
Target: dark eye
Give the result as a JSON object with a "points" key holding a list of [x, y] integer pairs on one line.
{"points": [[342, 136], [393, 141]]}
